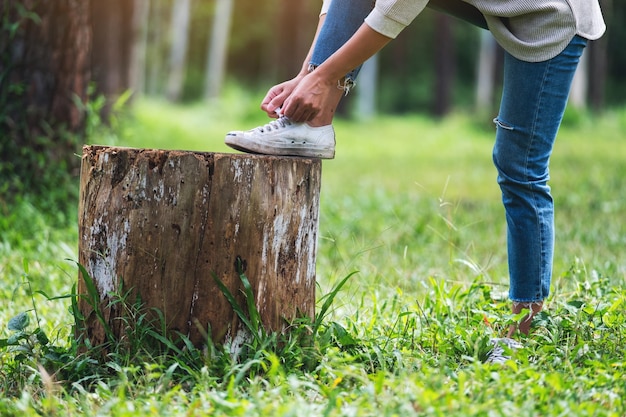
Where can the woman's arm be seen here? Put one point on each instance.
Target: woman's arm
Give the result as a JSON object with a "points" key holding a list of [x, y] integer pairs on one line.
{"points": [[311, 94]]}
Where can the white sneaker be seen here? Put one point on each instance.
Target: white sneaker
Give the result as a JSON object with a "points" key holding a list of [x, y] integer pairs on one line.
{"points": [[501, 346], [286, 138]]}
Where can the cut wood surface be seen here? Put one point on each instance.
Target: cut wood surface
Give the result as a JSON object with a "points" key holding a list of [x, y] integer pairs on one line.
{"points": [[162, 224]]}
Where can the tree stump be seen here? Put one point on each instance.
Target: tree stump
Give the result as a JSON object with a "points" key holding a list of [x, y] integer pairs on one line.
{"points": [[162, 224]]}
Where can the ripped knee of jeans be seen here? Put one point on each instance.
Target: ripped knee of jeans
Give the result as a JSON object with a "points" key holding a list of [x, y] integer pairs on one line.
{"points": [[346, 84], [503, 125]]}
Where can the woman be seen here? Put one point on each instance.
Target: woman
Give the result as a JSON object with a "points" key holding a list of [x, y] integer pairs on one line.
{"points": [[543, 41]]}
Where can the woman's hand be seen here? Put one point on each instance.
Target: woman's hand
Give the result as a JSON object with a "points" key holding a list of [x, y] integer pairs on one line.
{"points": [[312, 93], [309, 98], [277, 95]]}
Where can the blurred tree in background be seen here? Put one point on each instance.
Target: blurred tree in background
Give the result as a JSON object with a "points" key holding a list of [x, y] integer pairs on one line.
{"points": [[111, 48], [44, 77], [431, 67], [186, 50]]}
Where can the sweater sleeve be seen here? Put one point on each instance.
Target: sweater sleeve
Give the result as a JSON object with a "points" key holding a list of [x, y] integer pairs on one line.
{"points": [[390, 17]]}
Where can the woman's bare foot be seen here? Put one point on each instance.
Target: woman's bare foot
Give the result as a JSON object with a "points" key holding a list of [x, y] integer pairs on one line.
{"points": [[524, 325]]}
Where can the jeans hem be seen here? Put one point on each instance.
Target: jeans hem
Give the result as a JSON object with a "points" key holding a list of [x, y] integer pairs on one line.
{"points": [[527, 301]]}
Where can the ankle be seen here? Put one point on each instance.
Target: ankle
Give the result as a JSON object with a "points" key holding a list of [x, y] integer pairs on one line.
{"points": [[318, 124], [524, 324], [320, 121]]}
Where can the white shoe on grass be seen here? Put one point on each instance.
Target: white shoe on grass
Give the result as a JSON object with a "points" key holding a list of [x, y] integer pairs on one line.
{"points": [[285, 138], [501, 346]]}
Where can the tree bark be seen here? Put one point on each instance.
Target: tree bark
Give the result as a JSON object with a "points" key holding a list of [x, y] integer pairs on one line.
{"points": [[162, 224]]}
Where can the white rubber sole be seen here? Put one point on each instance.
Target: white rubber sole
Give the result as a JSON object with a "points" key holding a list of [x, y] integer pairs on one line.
{"points": [[289, 148]]}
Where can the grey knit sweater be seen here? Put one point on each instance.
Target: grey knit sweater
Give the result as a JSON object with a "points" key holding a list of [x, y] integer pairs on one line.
{"points": [[530, 30]]}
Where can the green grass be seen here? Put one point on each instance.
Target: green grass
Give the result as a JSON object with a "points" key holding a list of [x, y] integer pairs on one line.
{"points": [[411, 204]]}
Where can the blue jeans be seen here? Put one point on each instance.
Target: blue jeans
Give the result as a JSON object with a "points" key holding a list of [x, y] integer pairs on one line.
{"points": [[534, 98], [342, 21], [533, 102]]}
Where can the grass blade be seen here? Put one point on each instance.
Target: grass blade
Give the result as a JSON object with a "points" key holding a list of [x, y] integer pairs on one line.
{"points": [[236, 307], [330, 297]]}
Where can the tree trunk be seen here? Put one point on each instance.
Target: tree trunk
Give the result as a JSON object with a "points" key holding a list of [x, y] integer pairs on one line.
{"points": [[579, 88], [366, 93], [485, 73], [218, 46], [295, 23], [45, 72], [598, 52], [47, 58], [444, 65], [155, 56], [112, 43], [181, 11], [164, 223], [137, 68]]}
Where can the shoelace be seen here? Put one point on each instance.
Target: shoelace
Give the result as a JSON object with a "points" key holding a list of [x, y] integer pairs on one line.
{"points": [[279, 123]]}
